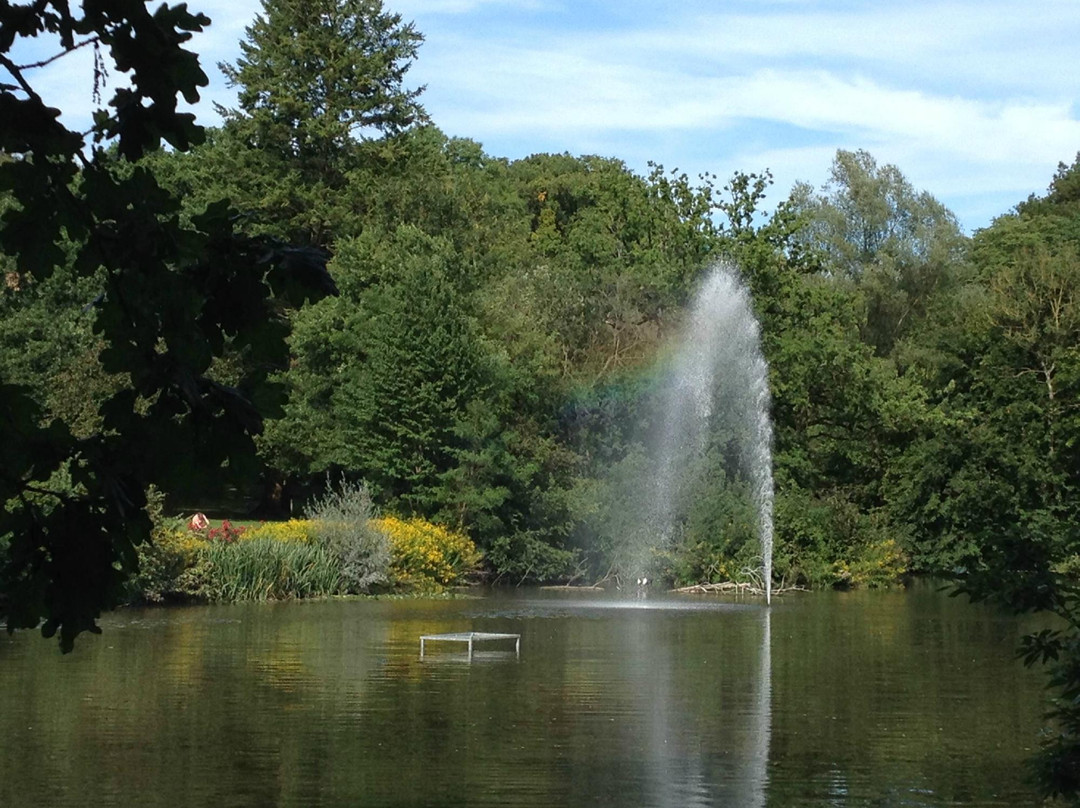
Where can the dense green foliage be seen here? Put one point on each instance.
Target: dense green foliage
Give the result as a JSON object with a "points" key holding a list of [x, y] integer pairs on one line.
{"points": [[492, 360]]}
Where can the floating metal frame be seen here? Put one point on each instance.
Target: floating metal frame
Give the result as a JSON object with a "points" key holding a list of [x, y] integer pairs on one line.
{"points": [[471, 637]]}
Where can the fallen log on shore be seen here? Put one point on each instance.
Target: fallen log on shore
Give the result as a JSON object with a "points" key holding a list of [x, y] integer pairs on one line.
{"points": [[733, 587], [564, 587]]}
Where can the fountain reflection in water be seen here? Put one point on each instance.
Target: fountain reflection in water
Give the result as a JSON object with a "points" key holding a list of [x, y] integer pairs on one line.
{"points": [[676, 771], [718, 373]]}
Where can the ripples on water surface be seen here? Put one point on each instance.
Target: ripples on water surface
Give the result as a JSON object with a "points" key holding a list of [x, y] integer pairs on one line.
{"points": [[860, 699]]}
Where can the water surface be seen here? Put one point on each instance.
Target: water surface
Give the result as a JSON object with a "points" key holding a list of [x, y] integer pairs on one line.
{"points": [[850, 699]]}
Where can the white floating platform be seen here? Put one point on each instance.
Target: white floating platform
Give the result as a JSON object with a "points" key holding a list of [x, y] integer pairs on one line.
{"points": [[471, 638]]}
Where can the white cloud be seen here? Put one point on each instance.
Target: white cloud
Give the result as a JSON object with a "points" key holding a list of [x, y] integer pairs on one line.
{"points": [[971, 100], [965, 95], [573, 93]]}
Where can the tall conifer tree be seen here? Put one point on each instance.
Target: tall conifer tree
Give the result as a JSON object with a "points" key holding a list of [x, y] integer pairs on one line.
{"points": [[318, 75]]}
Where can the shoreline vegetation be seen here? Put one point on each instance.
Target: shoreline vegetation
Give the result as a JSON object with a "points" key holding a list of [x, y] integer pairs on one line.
{"points": [[340, 548]]}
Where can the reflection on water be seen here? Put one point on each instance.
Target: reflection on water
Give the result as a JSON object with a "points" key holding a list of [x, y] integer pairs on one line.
{"points": [[830, 699], [759, 771]]}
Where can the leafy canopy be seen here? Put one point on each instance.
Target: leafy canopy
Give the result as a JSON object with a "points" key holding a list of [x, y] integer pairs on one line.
{"points": [[172, 296]]}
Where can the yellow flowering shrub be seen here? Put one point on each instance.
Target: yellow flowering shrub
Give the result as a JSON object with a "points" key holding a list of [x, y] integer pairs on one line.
{"points": [[295, 530], [187, 543], [424, 555], [876, 565]]}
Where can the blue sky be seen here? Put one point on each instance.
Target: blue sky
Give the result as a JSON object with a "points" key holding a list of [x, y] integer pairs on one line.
{"points": [[975, 101]]}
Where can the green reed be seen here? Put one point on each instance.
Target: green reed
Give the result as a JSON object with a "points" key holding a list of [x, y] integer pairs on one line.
{"points": [[264, 569]]}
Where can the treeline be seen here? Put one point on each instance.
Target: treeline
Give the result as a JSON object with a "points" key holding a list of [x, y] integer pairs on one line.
{"points": [[490, 359]]}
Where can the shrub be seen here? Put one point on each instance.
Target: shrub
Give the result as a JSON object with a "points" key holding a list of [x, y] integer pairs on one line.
{"points": [[295, 530], [526, 557], [163, 560], [341, 522], [426, 556], [879, 564], [227, 533], [712, 562], [829, 541]]}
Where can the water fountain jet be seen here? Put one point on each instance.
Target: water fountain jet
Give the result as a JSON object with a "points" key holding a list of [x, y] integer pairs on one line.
{"points": [[718, 365]]}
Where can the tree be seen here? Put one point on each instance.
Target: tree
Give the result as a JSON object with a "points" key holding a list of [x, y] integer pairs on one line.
{"points": [[900, 246], [988, 483], [315, 79], [47, 345], [610, 254], [383, 372], [315, 75], [172, 297]]}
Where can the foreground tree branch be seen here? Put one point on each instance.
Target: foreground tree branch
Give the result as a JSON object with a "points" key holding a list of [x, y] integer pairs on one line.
{"points": [[172, 297]]}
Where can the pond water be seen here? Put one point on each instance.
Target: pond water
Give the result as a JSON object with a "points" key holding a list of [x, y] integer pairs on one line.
{"points": [[842, 699]]}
